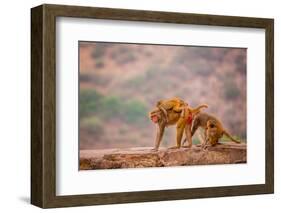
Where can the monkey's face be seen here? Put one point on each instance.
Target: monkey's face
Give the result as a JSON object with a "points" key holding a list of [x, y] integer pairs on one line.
{"points": [[155, 116], [154, 119], [211, 136], [211, 129], [212, 132]]}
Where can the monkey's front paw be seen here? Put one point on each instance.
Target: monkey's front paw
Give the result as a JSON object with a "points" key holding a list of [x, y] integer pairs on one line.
{"points": [[154, 149]]}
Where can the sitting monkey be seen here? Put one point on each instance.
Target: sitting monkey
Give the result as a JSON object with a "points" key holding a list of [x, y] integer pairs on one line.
{"points": [[213, 129], [170, 112]]}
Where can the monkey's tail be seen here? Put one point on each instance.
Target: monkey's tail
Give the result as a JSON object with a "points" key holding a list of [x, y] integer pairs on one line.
{"points": [[197, 109], [230, 137]]}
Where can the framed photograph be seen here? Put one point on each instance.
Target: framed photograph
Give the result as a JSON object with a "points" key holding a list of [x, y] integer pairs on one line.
{"points": [[136, 106]]}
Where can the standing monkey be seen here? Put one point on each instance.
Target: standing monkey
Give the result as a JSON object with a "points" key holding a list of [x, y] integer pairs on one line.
{"points": [[174, 112]]}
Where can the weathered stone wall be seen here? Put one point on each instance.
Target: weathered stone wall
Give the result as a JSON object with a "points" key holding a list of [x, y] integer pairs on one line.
{"points": [[145, 157]]}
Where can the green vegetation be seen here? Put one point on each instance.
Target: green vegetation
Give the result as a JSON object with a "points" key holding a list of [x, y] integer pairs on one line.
{"points": [[123, 55], [195, 140], [88, 101], [126, 58], [134, 111], [97, 79], [240, 62], [96, 110], [202, 69], [99, 64], [92, 124], [94, 104], [226, 139], [231, 91], [136, 82], [153, 74], [99, 50]]}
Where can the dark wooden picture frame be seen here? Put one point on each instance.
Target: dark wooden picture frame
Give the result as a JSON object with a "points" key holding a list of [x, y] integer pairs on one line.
{"points": [[43, 105]]}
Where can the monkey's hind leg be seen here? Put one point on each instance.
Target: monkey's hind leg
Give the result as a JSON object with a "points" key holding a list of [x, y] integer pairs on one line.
{"points": [[195, 125], [180, 129], [202, 137], [188, 136], [204, 142]]}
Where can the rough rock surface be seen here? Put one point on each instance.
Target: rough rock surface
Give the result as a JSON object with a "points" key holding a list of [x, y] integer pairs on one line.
{"points": [[145, 157]]}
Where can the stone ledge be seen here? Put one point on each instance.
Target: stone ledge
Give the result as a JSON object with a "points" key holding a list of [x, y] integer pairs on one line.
{"points": [[227, 153]]}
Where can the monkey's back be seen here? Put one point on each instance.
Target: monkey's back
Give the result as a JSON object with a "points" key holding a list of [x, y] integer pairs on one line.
{"points": [[202, 118]]}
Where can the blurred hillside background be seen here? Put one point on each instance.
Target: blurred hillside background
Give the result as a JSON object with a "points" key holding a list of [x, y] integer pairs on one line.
{"points": [[121, 83]]}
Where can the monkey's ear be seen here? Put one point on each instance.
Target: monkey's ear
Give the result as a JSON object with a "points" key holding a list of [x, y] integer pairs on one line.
{"points": [[159, 102]]}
